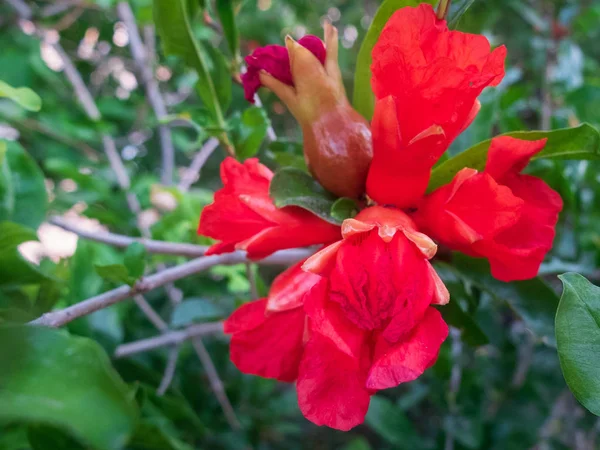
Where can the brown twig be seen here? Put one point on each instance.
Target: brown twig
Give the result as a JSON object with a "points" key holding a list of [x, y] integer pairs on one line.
{"points": [[168, 339], [192, 174], [215, 383], [169, 370], [153, 94], [86, 307]]}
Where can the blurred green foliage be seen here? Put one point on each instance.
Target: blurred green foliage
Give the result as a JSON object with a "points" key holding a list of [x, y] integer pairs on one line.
{"points": [[498, 382]]}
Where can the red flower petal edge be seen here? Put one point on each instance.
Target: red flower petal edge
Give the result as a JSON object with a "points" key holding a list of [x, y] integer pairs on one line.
{"points": [[427, 80], [244, 217], [499, 214]]}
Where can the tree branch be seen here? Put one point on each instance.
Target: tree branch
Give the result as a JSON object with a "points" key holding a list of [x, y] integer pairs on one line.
{"points": [[155, 98], [120, 241], [168, 339], [215, 383], [191, 175], [64, 316]]}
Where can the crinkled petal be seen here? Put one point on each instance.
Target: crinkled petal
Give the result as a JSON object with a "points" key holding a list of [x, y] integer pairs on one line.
{"points": [[288, 289], [408, 359], [470, 208], [435, 76], [328, 319], [269, 345], [508, 155], [331, 386], [517, 253]]}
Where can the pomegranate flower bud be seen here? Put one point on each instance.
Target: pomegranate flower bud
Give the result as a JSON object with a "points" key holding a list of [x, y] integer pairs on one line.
{"points": [[337, 140]]}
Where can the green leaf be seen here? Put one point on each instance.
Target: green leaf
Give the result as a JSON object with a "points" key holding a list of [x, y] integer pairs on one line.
{"points": [[30, 199], [226, 12], [49, 377], [252, 130], [578, 143], [533, 300], [293, 187], [391, 423], [288, 153], [15, 269], [43, 437], [578, 339], [135, 260], [343, 208], [23, 96], [220, 72], [363, 98], [115, 273], [174, 26], [7, 197], [195, 310], [456, 12]]}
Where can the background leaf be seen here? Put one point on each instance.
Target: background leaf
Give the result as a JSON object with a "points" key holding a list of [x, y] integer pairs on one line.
{"points": [[533, 299], [581, 143], [195, 310], [23, 96], [578, 339], [30, 200], [52, 378]]}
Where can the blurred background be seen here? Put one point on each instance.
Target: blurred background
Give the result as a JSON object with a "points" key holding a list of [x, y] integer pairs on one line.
{"points": [[499, 387]]}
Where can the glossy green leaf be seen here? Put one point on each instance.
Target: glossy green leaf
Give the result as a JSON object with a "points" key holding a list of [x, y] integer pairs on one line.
{"points": [[176, 31], [15, 269], [195, 310], [578, 339], [226, 12], [49, 377], [116, 273], [533, 299], [578, 143], [363, 99], [135, 260], [293, 187], [23, 96], [252, 130], [343, 208], [30, 199]]}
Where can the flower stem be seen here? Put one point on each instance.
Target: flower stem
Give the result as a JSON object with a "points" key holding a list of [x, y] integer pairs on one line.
{"points": [[443, 8]]}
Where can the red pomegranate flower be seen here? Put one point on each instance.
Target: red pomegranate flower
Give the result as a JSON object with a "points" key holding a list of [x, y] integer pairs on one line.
{"points": [[360, 318], [427, 80], [371, 323], [499, 214], [244, 217], [267, 334]]}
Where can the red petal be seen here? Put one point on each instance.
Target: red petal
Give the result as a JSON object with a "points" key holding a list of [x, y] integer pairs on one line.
{"points": [[329, 320], [399, 172], [471, 208], [375, 282], [331, 386], [407, 360], [516, 253], [434, 74], [268, 346], [275, 60], [288, 289], [508, 156]]}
